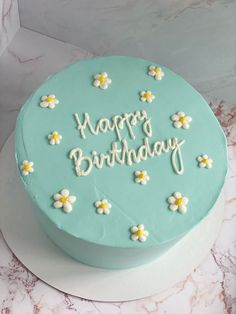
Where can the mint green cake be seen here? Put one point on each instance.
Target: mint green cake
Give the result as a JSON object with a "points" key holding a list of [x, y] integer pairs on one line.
{"points": [[122, 158]]}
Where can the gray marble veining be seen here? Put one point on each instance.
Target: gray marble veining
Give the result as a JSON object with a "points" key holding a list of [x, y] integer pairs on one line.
{"points": [[9, 22]]}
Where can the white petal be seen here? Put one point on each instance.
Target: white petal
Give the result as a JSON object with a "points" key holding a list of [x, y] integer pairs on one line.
{"points": [[96, 83], [25, 162], [202, 165], [142, 93], [51, 105], [141, 227], [109, 80], [149, 100], [99, 210], [173, 207], [134, 229], [65, 192], [205, 156], [181, 114], [146, 233], [43, 104], [182, 209], [57, 204], [104, 86], [106, 211], [31, 170], [134, 237], [71, 199], [177, 124], [31, 163], [105, 201], [209, 166], [143, 99], [98, 203], [142, 238], [25, 173], [171, 200], [44, 97], [108, 205], [52, 96], [49, 136], [177, 195], [52, 141], [56, 101], [104, 74], [175, 117], [67, 207], [57, 196], [199, 158], [137, 180], [97, 76], [143, 181], [151, 67], [188, 119], [137, 173], [185, 125]]}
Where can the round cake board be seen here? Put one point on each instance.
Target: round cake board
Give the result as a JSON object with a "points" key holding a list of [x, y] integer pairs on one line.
{"points": [[27, 240]]}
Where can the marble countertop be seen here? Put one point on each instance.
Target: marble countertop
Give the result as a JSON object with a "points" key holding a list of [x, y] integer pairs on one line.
{"points": [[209, 289]]}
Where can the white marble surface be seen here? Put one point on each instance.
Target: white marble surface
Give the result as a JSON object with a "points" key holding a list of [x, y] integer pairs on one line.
{"points": [[193, 37], [210, 289], [9, 22]]}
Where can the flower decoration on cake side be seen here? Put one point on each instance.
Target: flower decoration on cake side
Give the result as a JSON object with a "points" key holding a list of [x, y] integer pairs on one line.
{"points": [[180, 120], [139, 233], [204, 161], [49, 101], [103, 207], [141, 177], [146, 96], [102, 80], [64, 200], [27, 167], [54, 138], [156, 72], [178, 203]]}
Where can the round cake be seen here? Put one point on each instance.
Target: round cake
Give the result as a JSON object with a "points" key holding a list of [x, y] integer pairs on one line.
{"points": [[122, 158]]}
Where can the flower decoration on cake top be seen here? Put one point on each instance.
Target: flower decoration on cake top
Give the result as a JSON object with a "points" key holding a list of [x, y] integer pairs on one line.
{"points": [[156, 72], [204, 161], [27, 167], [139, 233], [102, 80], [64, 200], [178, 202], [54, 138], [49, 101], [146, 96], [180, 120], [103, 207], [141, 177]]}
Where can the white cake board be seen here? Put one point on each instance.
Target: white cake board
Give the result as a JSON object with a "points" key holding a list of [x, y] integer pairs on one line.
{"points": [[32, 247]]}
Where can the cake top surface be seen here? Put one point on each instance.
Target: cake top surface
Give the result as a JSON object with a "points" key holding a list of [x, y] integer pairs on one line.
{"points": [[121, 151]]}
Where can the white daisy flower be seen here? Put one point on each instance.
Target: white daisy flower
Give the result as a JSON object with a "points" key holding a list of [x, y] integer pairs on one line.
{"points": [[139, 233], [178, 202], [156, 72], [204, 161], [146, 96], [181, 120], [64, 200], [103, 207], [27, 167], [102, 80], [49, 101], [54, 138], [141, 177]]}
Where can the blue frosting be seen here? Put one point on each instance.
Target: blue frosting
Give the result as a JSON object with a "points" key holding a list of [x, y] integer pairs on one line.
{"points": [[131, 203]]}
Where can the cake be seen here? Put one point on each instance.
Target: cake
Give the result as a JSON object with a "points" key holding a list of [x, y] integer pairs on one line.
{"points": [[122, 158]]}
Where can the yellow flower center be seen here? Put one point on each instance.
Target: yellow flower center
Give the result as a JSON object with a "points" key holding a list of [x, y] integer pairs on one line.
{"points": [[179, 201], [103, 206], [63, 199], [147, 95], [27, 167], [49, 99], [102, 79], [139, 233], [55, 136], [205, 160], [141, 176], [182, 119], [157, 70]]}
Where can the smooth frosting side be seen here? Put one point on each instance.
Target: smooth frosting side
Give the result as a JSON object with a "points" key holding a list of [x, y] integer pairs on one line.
{"points": [[132, 204]]}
